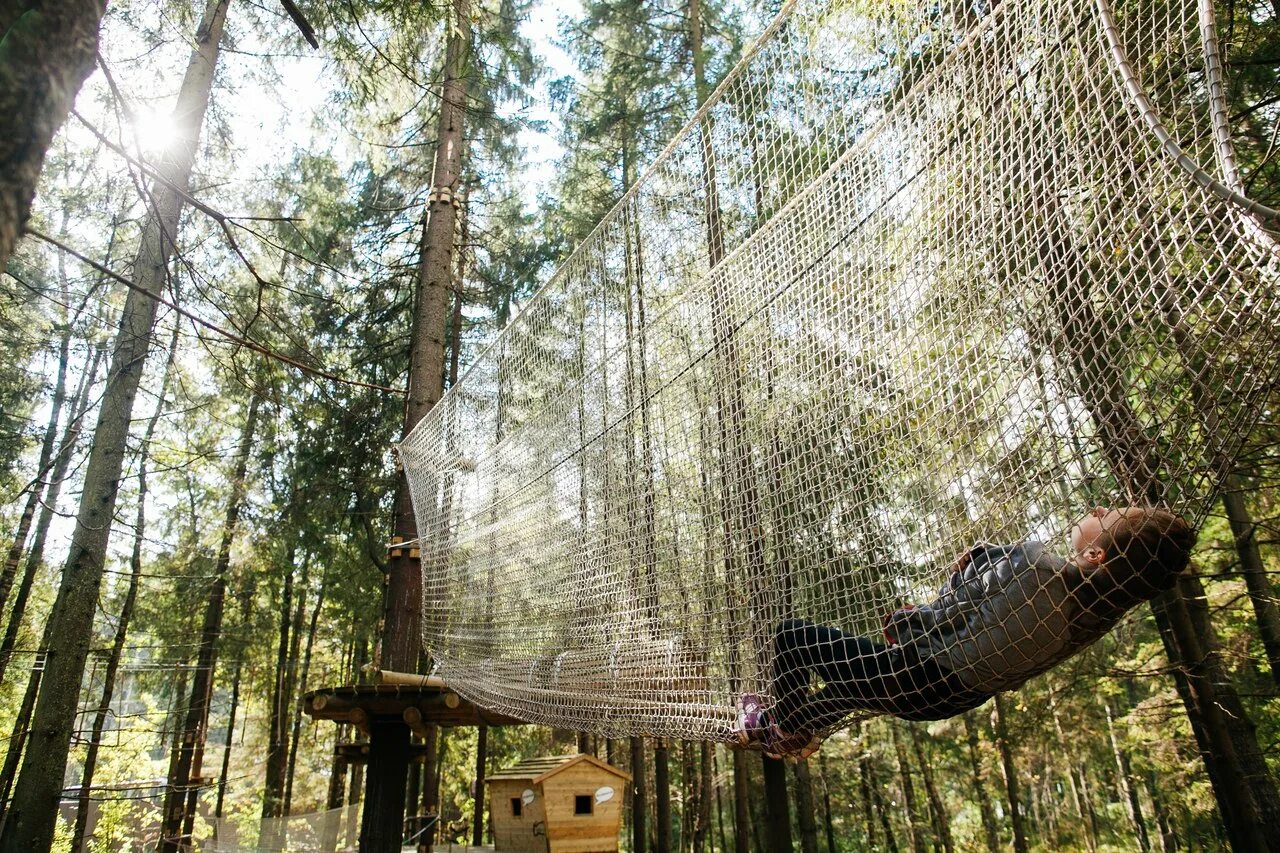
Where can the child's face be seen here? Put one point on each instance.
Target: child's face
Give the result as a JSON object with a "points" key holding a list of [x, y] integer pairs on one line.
{"points": [[1084, 536]]}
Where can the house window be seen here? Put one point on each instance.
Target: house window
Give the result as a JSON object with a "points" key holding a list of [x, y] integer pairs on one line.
{"points": [[582, 804], [516, 806]]}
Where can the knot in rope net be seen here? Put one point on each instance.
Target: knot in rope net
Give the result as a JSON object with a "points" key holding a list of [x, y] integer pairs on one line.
{"points": [[912, 279]]}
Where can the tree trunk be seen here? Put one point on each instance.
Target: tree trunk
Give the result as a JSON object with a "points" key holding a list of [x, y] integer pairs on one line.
{"points": [[741, 803], [826, 804], [277, 749], [1257, 581], [184, 769], [806, 813], [720, 821], [1168, 838], [355, 797], [43, 466], [79, 835], [990, 831], [880, 807], [777, 812], [49, 50], [1075, 769], [1127, 783], [402, 632], [21, 727], [661, 796], [477, 815], [908, 791], [702, 819], [432, 748], [1010, 777], [937, 813], [639, 797], [35, 555], [34, 811], [1226, 735], [867, 798], [224, 773], [303, 674], [334, 801]]}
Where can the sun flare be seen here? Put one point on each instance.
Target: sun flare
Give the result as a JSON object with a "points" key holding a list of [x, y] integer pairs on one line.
{"points": [[155, 130]]}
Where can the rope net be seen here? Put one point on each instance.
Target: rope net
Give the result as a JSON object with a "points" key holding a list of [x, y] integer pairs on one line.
{"points": [[917, 276]]}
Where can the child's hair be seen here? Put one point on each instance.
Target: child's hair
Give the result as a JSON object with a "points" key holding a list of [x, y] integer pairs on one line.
{"points": [[1154, 545]]}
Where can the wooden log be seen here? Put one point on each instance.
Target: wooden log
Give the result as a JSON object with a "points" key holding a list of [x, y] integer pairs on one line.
{"points": [[377, 675]]}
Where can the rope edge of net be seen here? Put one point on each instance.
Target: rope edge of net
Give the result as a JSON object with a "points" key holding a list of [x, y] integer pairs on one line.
{"points": [[1142, 102]]}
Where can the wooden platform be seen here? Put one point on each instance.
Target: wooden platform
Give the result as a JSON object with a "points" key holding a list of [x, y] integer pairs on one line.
{"points": [[418, 705]]}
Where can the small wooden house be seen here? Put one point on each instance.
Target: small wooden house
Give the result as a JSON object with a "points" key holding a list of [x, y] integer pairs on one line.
{"points": [[560, 804]]}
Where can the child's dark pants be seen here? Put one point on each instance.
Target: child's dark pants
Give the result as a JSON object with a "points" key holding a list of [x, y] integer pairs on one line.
{"points": [[857, 674]]}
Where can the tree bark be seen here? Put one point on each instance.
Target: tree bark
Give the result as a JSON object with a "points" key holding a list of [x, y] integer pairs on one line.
{"points": [[433, 746], [1010, 777], [662, 796], [1127, 783], [79, 835], [639, 797], [46, 52], [34, 811], [741, 804], [867, 798], [303, 674], [335, 798], [806, 813], [879, 806], [354, 798], [224, 773], [989, 828], [277, 749], [702, 819], [826, 804], [937, 813], [720, 821], [43, 466], [184, 768], [402, 620], [908, 791], [477, 815], [1079, 790], [777, 811], [21, 727], [35, 555], [1257, 581]]}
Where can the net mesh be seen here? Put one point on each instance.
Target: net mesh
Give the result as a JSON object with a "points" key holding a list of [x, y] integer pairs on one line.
{"points": [[917, 276]]}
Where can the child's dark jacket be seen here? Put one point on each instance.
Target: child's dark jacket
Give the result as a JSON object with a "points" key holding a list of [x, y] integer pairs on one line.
{"points": [[1004, 617]]}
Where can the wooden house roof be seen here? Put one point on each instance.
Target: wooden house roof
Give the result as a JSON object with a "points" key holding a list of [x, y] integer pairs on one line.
{"points": [[536, 770]]}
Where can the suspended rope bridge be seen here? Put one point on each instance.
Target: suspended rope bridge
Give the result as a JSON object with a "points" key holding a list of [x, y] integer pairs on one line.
{"points": [[911, 279]]}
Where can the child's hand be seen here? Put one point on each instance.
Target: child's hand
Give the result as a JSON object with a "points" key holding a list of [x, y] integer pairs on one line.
{"points": [[962, 562], [892, 621]]}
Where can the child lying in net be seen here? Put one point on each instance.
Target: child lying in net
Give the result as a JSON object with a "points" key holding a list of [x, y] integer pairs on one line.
{"points": [[1005, 614]]}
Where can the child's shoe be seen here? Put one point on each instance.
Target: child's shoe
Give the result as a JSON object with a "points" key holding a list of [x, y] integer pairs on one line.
{"points": [[752, 720], [757, 730]]}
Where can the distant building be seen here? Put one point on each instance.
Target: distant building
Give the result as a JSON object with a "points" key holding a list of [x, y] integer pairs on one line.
{"points": [[561, 804]]}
